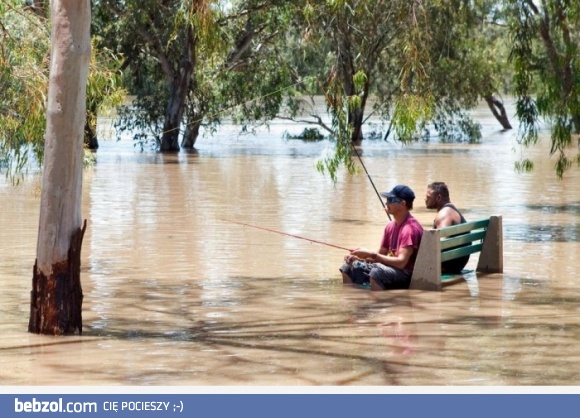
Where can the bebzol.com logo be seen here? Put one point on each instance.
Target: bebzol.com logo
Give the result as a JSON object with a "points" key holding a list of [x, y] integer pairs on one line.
{"points": [[53, 406]]}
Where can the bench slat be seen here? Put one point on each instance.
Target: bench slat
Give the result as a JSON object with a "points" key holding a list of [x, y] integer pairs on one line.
{"points": [[465, 227], [460, 252], [462, 239]]}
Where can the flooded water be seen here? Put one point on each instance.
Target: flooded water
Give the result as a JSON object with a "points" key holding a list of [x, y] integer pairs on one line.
{"points": [[176, 295]]}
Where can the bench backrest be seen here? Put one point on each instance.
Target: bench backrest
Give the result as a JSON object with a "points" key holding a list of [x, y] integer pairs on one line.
{"points": [[484, 236], [468, 236]]}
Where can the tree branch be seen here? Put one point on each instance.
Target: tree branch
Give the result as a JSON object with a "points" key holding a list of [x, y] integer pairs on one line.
{"points": [[318, 121], [152, 41]]}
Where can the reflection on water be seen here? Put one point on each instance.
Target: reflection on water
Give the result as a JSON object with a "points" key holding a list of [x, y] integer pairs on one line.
{"points": [[573, 209], [176, 296], [543, 233]]}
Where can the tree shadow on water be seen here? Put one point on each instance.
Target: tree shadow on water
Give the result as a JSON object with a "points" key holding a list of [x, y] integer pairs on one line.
{"points": [[345, 334]]}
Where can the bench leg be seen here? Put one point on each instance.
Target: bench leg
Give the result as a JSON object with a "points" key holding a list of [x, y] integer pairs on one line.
{"points": [[427, 272], [491, 257]]}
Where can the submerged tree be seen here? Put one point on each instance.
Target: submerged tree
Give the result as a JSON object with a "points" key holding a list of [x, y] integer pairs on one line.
{"points": [[545, 55], [56, 296], [469, 56], [191, 64], [159, 43], [409, 57], [346, 51], [352, 39]]}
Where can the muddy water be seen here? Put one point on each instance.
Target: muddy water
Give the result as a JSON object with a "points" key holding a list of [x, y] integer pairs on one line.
{"points": [[176, 295]]}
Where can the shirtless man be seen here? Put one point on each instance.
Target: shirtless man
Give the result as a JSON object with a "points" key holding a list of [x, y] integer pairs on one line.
{"points": [[437, 197]]}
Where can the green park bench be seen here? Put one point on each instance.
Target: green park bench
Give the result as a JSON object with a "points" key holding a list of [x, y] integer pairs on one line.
{"points": [[482, 236]]}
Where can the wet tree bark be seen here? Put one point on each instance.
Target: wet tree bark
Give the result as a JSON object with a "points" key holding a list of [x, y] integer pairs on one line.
{"points": [[56, 301], [355, 119], [178, 94], [498, 110], [191, 134], [56, 296]]}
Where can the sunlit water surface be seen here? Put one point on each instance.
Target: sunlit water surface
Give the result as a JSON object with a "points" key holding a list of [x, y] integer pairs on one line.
{"points": [[177, 295]]}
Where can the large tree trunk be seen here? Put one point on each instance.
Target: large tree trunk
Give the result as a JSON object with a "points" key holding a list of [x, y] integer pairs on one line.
{"points": [[56, 296], [498, 110], [347, 73], [355, 120], [178, 94], [191, 134]]}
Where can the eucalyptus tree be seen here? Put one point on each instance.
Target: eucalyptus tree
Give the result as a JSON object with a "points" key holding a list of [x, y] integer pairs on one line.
{"points": [[56, 296], [361, 44], [24, 59], [24, 79], [546, 37], [253, 78], [346, 50], [247, 80], [190, 64], [164, 36], [420, 63], [469, 55], [50, 126]]}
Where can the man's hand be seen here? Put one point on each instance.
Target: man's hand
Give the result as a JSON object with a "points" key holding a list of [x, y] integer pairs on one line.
{"points": [[349, 258], [362, 253]]}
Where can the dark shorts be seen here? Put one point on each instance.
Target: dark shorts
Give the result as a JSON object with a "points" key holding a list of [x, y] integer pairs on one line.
{"points": [[386, 277], [454, 266]]}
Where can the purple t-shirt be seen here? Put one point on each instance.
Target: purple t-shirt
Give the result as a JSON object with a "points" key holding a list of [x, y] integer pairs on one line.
{"points": [[407, 234]]}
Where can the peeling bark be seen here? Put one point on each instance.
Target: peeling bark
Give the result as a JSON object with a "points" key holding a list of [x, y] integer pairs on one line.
{"points": [[191, 134], [56, 301]]}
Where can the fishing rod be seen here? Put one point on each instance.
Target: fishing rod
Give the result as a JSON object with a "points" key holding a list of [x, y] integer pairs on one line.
{"points": [[289, 235], [371, 180]]}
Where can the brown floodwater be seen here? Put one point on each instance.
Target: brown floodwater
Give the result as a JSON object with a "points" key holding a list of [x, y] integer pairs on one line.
{"points": [[176, 295]]}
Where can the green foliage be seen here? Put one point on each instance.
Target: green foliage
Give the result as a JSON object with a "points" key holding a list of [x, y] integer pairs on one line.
{"points": [[24, 81], [338, 105], [143, 118], [24, 59], [151, 38], [460, 128], [308, 134], [421, 63], [524, 165], [236, 70], [255, 86], [411, 112], [104, 85], [547, 74]]}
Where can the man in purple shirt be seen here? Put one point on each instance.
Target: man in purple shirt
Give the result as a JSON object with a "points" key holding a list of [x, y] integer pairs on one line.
{"points": [[391, 267]]}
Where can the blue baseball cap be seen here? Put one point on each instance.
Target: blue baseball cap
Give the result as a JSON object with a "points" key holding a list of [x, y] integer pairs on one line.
{"points": [[402, 192]]}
